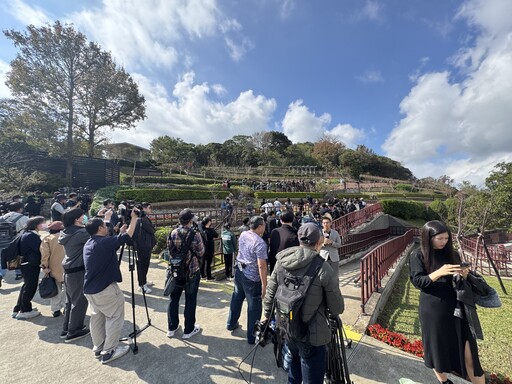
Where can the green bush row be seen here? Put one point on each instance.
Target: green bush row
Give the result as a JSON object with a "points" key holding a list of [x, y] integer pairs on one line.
{"points": [[407, 195], [170, 180], [406, 187], [158, 195], [408, 210]]}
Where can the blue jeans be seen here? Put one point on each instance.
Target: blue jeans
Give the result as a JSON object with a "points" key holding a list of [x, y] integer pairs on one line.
{"points": [[190, 288], [308, 363], [250, 290]]}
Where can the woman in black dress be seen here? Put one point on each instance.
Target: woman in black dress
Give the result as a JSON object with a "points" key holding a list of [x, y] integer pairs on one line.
{"points": [[448, 344]]}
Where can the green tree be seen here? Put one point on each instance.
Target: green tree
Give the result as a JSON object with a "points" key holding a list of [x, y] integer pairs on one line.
{"points": [[57, 73], [172, 152], [499, 183]]}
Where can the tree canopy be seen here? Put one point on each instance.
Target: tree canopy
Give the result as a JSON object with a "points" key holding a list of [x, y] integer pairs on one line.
{"points": [[65, 85]]}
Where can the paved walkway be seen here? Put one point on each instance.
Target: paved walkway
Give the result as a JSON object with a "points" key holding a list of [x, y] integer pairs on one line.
{"points": [[32, 352]]}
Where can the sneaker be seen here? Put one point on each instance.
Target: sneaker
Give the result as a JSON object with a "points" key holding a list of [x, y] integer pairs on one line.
{"points": [[56, 313], [149, 284], [146, 289], [78, 335], [27, 315], [63, 334], [18, 277], [194, 331], [97, 354], [116, 353], [14, 314], [233, 328], [170, 334]]}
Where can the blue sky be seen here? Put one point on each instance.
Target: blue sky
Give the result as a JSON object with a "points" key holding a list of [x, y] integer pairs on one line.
{"points": [[427, 83]]}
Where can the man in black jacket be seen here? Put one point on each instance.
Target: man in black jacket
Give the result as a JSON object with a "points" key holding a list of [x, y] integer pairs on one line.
{"points": [[281, 238], [144, 240]]}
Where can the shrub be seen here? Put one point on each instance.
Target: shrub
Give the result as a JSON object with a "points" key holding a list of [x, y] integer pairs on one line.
{"points": [[404, 209], [406, 187], [439, 207], [170, 180], [158, 195], [161, 238]]}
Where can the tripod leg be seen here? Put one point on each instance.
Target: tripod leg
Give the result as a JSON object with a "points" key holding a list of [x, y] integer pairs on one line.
{"points": [[135, 348]]}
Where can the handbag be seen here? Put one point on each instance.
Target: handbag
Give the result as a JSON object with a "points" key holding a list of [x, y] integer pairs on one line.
{"points": [[48, 287], [14, 263], [170, 282], [483, 294]]}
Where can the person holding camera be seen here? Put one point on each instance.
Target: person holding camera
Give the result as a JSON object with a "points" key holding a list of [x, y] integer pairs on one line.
{"points": [[250, 277], [308, 361], [448, 342], [144, 241], [73, 238], [102, 274], [209, 248]]}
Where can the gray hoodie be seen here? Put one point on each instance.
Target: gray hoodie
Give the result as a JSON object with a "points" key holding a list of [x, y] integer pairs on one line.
{"points": [[324, 292], [73, 239]]}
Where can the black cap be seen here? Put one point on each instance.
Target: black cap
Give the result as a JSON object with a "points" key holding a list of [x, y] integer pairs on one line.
{"points": [[186, 215]]}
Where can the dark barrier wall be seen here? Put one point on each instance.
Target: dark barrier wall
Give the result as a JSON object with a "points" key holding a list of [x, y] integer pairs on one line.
{"points": [[87, 172]]}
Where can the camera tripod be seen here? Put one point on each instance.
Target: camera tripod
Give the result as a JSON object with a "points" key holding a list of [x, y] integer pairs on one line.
{"points": [[337, 366], [132, 261]]}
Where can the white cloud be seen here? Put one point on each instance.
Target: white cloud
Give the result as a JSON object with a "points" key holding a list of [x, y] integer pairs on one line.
{"points": [[4, 90], [301, 125], [27, 14], [371, 76], [465, 125], [371, 10], [195, 116], [286, 8]]}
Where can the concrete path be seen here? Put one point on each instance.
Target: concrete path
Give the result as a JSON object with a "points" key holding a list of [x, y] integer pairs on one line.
{"points": [[32, 352]]}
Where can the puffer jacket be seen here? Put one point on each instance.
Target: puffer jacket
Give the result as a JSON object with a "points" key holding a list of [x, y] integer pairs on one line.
{"points": [[73, 239], [323, 294]]}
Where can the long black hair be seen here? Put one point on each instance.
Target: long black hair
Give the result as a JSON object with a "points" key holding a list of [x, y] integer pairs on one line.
{"points": [[429, 230]]}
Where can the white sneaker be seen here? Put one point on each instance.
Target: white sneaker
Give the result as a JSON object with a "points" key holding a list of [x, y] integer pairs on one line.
{"points": [[146, 289], [170, 334], [196, 329], [27, 315], [149, 284], [119, 351]]}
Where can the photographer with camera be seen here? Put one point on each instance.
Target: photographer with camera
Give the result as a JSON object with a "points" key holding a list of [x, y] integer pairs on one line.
{"points": [[144, 241], [102, 274], [308, 354]]}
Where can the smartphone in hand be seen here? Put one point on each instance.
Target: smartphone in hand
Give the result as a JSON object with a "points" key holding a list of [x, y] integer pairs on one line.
{"points": [[465, 264]]}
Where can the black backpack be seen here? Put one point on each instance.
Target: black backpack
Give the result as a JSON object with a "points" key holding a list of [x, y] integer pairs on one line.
{"points": [[180, 258], [8, 231], [289, 298]]}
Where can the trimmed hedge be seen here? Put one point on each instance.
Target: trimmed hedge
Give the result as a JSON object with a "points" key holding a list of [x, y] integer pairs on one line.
{"points": [[408, 210], [408, 195], [170, 180], [158, 195], [161, 238], [294, 195]]}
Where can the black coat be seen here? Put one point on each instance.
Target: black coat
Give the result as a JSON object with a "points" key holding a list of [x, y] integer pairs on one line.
{"points": [[145, 234], [443, 334], [281, 238]]}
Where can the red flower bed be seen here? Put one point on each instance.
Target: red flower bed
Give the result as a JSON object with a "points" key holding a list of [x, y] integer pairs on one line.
{"points": [[416, 348], [396, 340]]}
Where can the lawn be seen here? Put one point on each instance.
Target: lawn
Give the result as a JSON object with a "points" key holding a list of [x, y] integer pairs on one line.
{"points": [[401, 315]]}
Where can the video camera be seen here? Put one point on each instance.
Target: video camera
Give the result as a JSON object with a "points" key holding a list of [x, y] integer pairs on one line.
{"points": [[125, 214], [264, 333]]}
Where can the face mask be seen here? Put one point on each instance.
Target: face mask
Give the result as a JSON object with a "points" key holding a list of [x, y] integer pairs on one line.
{"points": [[86, 219]]}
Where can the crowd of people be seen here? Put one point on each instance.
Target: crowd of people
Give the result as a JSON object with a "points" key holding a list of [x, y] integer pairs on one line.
{"points": [[81, 254]]}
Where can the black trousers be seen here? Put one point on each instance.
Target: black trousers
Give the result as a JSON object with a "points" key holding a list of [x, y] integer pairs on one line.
{"points": [[228, 264], [206, 267], [28, 289], [143, 259]]}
